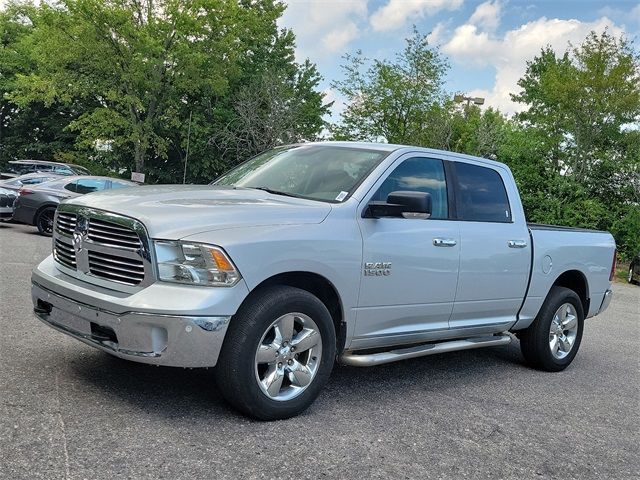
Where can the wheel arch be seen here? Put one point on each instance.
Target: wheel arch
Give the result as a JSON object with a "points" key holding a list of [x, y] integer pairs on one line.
{"points": [[41, 208], [317, 285], [577, 281]]}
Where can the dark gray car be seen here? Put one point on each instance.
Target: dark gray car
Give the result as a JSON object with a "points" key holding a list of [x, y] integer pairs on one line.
{"points": [[37, 205]]}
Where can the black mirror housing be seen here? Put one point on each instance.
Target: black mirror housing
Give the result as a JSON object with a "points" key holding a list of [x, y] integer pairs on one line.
{"points": [[402, 204]]}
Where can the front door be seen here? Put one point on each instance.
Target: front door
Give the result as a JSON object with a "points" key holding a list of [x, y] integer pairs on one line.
{"points": [[410, 266]]}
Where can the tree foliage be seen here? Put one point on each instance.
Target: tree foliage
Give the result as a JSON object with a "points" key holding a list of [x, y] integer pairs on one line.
{"points": [[141, 68], [574, 150], [392, 99]]}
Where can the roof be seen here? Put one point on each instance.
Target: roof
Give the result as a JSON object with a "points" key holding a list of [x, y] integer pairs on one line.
{"points": [[391, 147], [44, 162]]}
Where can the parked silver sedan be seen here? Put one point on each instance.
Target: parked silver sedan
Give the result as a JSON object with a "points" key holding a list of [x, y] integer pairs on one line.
{"points": [[32, 179], [37, 205]]}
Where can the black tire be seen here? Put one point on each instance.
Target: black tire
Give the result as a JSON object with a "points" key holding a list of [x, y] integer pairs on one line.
{"points": [[534, 341], [236, 368], [630, 278], [44, 221]]}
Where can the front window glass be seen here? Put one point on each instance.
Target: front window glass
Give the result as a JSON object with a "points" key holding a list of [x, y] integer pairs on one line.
{"points": [[418, 175], [318, 172]]}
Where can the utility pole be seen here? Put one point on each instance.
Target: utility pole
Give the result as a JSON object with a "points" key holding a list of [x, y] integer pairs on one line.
{"points": [[460, 98], [186, 156]]}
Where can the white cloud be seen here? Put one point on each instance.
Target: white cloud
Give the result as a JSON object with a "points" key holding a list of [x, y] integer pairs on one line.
{"points": [[323, 27], [436, 35], [396, 13], [336, 40], [509, 52], [635, 13], [487, 15]]}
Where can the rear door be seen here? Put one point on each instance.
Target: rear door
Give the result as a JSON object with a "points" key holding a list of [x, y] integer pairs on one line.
{"points": [[495, 250], [410, 265]]}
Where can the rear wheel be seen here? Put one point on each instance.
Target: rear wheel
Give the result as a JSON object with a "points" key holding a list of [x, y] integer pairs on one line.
{"points": [[630, 277], [44, 221], [553, 339], [278, 354]]}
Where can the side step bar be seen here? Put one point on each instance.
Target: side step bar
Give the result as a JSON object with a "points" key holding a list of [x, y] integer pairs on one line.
{"points": [[371, 359]]}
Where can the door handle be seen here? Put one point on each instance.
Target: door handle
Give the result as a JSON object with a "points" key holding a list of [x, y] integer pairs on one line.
{"points": [[444, 242], [517, 243]]}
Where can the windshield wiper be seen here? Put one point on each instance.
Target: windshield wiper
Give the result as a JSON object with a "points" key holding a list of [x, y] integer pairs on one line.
{"points": [[275, 192]]}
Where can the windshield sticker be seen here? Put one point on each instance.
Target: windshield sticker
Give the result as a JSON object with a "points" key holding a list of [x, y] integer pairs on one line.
{"points": [[341, 196]]}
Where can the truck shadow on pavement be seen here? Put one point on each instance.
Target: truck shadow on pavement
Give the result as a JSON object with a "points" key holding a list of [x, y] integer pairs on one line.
{"points": [[176, 392]]}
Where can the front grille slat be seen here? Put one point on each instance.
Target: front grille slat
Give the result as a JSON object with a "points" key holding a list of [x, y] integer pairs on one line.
{"points": [[113, 242], [115, 259], [124, 278], [131, 236], [117, 267], [66, 223], [64, 254], [112, 226], [105, 243]]}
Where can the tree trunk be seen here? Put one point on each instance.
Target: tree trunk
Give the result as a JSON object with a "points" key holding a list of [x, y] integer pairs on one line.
{"points": [[139, 156]]}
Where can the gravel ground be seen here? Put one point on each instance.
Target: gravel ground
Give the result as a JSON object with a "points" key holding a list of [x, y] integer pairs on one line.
{"points": [[69, 411]]}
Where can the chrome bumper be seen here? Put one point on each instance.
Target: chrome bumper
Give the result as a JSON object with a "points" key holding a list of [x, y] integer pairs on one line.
{"points": [[142, 337], [608, 295]]}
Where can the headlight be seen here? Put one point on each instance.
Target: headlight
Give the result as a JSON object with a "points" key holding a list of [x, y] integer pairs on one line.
{"points": [[195, 264]]}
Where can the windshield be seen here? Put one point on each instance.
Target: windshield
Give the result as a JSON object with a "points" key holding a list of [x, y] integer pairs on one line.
{"points": [[319, 172]]}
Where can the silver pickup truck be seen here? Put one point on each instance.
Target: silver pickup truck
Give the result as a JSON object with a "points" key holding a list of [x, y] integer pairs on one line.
{"points": [[368, 253]]}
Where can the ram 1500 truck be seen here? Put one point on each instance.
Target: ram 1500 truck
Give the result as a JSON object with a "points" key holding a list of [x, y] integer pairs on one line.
{"points": [[368, 253]]}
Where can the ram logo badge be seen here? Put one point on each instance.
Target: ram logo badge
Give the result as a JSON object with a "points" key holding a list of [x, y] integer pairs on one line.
{"points": [[377, 269]]}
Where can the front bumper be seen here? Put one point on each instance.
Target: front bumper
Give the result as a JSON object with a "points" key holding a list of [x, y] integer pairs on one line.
{"points": [[130, 326]]}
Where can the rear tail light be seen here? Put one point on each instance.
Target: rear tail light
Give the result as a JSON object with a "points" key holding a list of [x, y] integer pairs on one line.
{"points": [[613, 265], [25, 191]]}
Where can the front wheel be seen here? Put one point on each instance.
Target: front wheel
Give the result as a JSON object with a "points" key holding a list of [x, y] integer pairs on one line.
{"points": [[44, 221], [278, 353], [630, 277], [553, 339]]}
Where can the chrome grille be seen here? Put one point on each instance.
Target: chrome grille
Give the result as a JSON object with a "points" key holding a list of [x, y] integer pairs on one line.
{"points": [[116, 268], [109, 233], [66, 223], [102, 247], [64, 254]]}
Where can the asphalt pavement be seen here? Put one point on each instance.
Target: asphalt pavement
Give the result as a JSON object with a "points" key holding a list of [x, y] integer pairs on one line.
{"points": [[68, 411]]}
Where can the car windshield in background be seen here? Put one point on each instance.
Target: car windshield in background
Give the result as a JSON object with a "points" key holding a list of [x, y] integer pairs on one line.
{"points": [[318, 172]]}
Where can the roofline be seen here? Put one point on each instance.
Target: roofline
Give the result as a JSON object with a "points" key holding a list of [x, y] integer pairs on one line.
{"points": [[391, 147], [46, 162]]}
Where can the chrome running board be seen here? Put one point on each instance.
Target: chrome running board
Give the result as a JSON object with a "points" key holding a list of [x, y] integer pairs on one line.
{"points": [[370, 359]]}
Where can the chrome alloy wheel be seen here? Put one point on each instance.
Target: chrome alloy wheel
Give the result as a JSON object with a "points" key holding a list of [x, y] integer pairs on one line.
{"points": [[630, 277], [563, 331], [288, 356]]}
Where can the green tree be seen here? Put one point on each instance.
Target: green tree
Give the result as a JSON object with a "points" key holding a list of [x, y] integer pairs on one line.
{"points": [[141, 67], [584, 104], [393, 99]]}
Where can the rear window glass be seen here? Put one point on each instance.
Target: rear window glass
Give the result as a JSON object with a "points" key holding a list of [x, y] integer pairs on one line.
{"points": [[90, 185], [482, 196]]}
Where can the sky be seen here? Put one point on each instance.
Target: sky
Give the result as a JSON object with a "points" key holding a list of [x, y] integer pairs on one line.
{"points": [[487, 43]]}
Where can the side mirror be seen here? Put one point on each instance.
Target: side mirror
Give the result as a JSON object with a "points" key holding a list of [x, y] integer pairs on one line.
{"points": [[401, 205]]}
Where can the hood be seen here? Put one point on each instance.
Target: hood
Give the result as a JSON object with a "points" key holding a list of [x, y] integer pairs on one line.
{"points": [[175, 211]]}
